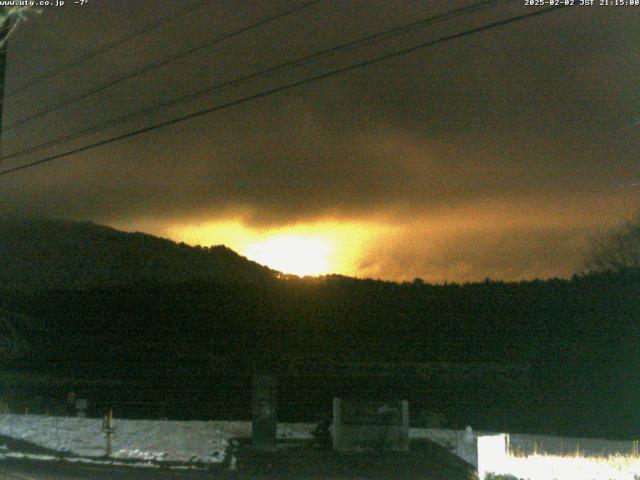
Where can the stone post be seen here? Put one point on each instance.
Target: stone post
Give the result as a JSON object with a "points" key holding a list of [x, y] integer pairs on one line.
{"points": [[264, 412]]}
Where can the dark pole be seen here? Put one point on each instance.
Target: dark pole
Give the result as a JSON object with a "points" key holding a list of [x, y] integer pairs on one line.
{"points": [[5, 28], [264, 385]]}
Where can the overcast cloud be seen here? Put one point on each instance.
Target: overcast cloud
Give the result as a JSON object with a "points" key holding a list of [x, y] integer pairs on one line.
{"points": [[496, 155]]}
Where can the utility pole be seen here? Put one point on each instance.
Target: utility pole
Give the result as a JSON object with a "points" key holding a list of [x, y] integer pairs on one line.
{"points": [[10, 17], [5, 28], [108, 430]]}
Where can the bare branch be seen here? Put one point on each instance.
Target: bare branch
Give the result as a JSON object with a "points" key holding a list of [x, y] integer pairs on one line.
{"points": [[617, 249]]}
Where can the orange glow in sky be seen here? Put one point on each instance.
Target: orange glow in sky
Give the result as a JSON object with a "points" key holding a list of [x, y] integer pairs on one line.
{"points": [[515, 242], [299, 255], [317, 248]]}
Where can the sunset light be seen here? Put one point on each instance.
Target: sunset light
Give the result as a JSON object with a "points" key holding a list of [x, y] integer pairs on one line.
{"points": [[293, 254], [324, 247], [408, 230]]}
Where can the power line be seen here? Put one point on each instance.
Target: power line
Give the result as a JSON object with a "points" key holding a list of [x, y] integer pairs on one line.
{"points": [[105, 48], [162, 62], [361, 42], [288, 86]]}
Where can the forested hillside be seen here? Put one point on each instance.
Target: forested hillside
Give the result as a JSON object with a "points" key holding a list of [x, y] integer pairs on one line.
{"points": [[576, 339], [41, 254], [178, 331]]}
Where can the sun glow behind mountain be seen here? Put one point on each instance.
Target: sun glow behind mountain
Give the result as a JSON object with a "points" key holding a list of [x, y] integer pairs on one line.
{"points": [[318, 248], [299, 255]]}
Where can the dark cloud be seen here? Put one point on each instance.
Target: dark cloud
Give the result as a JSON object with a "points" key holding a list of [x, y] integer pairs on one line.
{"points": [[538, 114], [510, 243]]}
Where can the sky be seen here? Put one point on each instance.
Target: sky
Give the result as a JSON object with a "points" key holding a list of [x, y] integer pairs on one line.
{"points": [[494, 155]]}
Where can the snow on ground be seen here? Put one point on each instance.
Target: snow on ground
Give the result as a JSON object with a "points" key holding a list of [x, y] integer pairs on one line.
{"points": [[145, 440], [170, 441], [293, 431], [193, 443], [157, 440]]}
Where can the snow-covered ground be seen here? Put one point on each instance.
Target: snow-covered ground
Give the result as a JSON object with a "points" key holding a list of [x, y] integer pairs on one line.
{"points": [[146, 440], [160, 440], [149, 442], [201, 442]]}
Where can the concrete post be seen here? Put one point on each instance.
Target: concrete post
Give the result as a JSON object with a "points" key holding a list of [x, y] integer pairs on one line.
{"points": [[264, 412]]}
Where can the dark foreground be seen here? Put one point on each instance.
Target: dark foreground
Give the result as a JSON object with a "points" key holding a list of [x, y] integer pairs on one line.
{"points": [[426, 461], [41, 470]]}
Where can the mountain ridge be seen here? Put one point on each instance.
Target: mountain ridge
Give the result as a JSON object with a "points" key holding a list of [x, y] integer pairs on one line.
{"points": [[52, 253]]}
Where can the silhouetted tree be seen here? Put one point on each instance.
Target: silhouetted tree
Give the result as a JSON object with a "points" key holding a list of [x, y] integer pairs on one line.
{"points": [[616, 250]]}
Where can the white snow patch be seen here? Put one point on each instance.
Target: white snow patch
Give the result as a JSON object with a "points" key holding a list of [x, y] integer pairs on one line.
{"points": [[295, 431], [150, 440], [31, 456]]}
